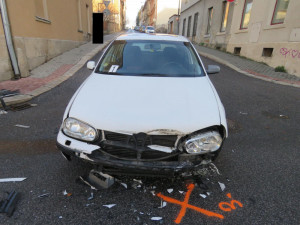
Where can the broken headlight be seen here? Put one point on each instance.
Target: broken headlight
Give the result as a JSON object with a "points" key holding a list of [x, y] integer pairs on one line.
{"points": [[79, 130], [203, 143]]}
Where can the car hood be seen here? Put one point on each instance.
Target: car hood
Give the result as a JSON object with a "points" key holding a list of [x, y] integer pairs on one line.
{"points": [[153, 105]]}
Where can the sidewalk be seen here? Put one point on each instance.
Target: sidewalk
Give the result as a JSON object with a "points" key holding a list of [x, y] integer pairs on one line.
{"points": [[52, 73], [249, 67]]}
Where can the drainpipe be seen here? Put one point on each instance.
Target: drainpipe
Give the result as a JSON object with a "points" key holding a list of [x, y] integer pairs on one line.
{"points": [[8, 39]]}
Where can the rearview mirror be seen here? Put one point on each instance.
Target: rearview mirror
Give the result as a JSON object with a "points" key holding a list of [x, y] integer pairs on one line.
{"points": [[211, 69], [91, 65]]}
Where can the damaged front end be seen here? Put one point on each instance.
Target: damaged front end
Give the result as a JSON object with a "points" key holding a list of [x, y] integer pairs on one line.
{"points": [[145, 154]]}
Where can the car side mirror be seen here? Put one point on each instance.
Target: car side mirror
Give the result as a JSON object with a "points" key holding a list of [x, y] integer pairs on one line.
{"points": [[91, 65], [211, 69]]}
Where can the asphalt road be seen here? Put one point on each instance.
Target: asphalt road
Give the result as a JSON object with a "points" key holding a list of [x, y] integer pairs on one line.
{"points": [[259, 164]]}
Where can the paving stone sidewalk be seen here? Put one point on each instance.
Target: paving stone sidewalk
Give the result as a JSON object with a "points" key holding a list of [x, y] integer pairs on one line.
{"points": [[52, 73], [249, 67]]}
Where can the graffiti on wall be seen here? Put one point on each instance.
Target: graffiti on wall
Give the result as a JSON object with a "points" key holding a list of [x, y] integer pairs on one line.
{"points": [[290, 52]]}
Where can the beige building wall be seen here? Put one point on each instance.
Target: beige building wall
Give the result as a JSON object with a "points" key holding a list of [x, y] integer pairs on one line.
{"points": [[283, 38], [43, 29]]}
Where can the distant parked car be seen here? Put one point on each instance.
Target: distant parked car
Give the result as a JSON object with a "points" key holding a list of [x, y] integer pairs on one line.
{"points": [[142, 29], [136, 28], [149, 30]]}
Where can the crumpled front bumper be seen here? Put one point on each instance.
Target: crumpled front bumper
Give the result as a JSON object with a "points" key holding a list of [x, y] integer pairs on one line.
{"points": [[95, 155]]}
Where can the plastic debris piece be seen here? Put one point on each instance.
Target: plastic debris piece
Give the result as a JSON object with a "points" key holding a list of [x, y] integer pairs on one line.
{"points": [[153, 187], [203, 195], [125, 185], [44, 195], [91, 197], [208, 193], [109, 206], [22, 126], [153, 193], [33, 105], [60, 217], [222, 186], [181, 192], [87, 183], [12, 179], [170, 190], [283, 116], [139, 186], [100, 180], [8, 205], [141, 213], [65, 192], [138, 181], [243, 113], [162, 205], [155, 218], [215, 168], [2, 112]]}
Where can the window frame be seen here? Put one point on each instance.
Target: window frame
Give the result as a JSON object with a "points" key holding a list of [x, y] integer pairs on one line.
{"points": [[183, 26], [195, 24], [45, 17], [189, 26], [276, 4], [209, 20], [243, 15], [225, 11]]}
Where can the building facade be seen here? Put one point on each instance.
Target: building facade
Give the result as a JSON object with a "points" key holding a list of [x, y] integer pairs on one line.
{"points": [[173, 24], [41, 30], [114, 14], [266, 31]]}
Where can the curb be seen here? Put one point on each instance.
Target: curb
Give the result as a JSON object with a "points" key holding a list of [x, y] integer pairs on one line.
{"points": [[47, 87], [226, 63]]}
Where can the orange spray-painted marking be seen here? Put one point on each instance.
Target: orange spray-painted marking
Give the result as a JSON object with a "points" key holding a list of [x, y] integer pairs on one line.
{"points": [[229, 206], [185, 205]]}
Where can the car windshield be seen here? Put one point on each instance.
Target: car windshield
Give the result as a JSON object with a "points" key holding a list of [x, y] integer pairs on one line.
{"points": [[150, 28], [151, 58]]}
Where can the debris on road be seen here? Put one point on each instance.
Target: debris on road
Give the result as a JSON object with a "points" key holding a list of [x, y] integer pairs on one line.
{"points": [[91, 197], [181, 192], [66, 193], [170, 190], [243, 113], [214, 168], [22, 126], [100, 180], [222, 186], [12, 179], [87, 183], [153, 193], [162, 204], [44, 195], [125, 185], [156, 218], [109, 206], [60, 217], [8, 206], [203, 195], [283, 116], [2, 112]]}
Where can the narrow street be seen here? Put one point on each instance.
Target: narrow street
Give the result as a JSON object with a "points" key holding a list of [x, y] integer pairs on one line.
{"points": [[259, 164]]}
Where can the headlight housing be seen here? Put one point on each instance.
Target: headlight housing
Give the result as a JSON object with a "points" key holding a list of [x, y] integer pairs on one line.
{"points": [[79, 130], [201, 143]]}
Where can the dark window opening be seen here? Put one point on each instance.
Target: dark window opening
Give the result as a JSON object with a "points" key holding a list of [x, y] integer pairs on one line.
{"points": [[237, 50], [195, 24], [210, 14], [189, 26], [267, 52], [183, 27]]}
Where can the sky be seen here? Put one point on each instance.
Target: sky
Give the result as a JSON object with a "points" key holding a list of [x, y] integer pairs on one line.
{"points": [[133, 6]]}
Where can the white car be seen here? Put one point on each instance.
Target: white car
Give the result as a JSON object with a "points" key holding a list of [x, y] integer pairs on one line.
{"points": [[149, 30], [147, 108]]}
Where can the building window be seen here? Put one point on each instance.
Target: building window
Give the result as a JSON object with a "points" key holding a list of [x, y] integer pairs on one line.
{"points": [[171, 27], [210, 15], [183, 27], [267, 52], [280, 11], [246, 14], [41, 11], [195, 24], [237, 50], [189, 26], [224, 16]]}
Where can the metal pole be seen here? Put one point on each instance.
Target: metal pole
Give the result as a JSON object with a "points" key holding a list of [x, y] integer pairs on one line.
{"points": [[8, 39], [178, 17]]}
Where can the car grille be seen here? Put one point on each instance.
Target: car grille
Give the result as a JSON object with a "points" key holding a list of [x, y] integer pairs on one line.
{"points": [[132, 154]]}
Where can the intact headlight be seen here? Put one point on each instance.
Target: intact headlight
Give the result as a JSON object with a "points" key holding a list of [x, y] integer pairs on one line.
{"points": [[203, 143], [77, 129]]}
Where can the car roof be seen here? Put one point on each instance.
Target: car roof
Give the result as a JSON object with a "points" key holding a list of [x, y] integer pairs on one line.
{"points": [[159, 37]]}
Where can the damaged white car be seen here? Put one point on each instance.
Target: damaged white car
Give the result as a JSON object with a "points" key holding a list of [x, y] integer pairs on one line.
{"points": [[148, 108]]}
